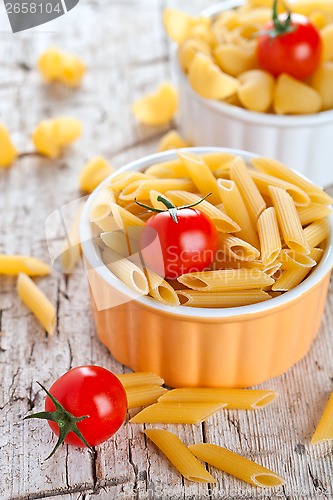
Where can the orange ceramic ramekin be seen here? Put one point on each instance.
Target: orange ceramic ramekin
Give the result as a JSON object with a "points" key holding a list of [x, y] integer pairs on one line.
{"points": [[232, 347]]}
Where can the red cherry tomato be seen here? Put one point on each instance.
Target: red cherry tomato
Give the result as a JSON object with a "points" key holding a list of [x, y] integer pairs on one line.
{"points": [[172, 249], [92, 391], [293, 46]]}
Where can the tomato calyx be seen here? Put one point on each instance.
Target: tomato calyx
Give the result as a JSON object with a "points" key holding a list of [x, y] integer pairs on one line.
{"points": [[281, 27], [66, 421], [170, 207]]}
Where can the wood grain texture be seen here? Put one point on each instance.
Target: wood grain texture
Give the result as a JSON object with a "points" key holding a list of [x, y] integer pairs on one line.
{"points": [[126, 52]]}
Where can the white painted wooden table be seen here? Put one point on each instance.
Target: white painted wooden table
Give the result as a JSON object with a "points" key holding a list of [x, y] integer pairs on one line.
{"points": [[127, 54]]}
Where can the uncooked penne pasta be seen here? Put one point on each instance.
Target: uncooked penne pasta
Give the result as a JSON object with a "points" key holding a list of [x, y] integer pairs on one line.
{"points": [[117, 241], [235, 207], [138, 379], [317, 232], [179, 455], [237, 248], [291, 260], [102, 205], [195, 298], [128, 272], [313, 212], [119, 182], [293, 277], [70, 253], [161, 290], [288, 219], [201, 175], [252, 198], [226, 280], [140, 190], [153, 199], [235, 399], [263, 181], [37, 302], [176, 413], [124, 218], [143, 395], [221, 220], [236, 465], [269, 235], [15, 264], [324, 431], [175, 168]]}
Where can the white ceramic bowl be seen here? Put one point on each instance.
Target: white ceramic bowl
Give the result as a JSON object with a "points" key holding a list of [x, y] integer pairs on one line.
{"points": [[187, 346], [304, 143]]}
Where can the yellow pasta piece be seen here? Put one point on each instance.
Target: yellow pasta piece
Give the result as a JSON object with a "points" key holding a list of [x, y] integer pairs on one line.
{"points": [[305, 7], [201, 175], [236, 465], [313, 212], [324, 431], [322, 81], [295, 97], [161, 290], [179, 455], [177, 413], [128, 272], [51, 136], [124, 219], [317, 232], [288, 219], [234, 59], [138, 379], [15, 264], [102, 205], [226, 280], [70, 253], [8, 152], [117, 241], [157, 108], [237, 248], [177, 24], [93, 173], [188, 49], [235, 399], [202, 32], [140, 190], [235, 207], [37, 302], [207, 79], [256, 90], [172, 140], [318, 19], [222, 222], [291, 260], [250, 193], [290, 278], [269, 236], [119, 182], [194, 298], [66, 68], [143, 395], [264, 181], [326, 35]]}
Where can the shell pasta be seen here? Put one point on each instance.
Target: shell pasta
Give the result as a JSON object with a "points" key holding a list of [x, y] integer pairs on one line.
{"points": [[271, 227]]}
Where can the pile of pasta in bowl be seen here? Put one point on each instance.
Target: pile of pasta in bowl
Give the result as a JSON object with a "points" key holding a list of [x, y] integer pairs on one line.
{"points": [[242, 232]]}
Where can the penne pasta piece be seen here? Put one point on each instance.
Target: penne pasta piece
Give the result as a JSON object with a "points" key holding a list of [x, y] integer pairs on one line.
{"points": [[138, 379], [175, 168], [221, 220], [226, 280], [290, 278], [102, 205], [252, 198], [288, 219], [194, 298], [216, 160], [143, 395], [16, 264], [324, 431], [235, 208], [269, 236], [179, 455], [201, 175], [273, 268], [70, 253], [161, 290], [119, 182], [37, 302], [93, 173], [128, 272], [235, 399], [313, 212], [291, 260], [124, 218], [263, 181], [236, 248], [236, 465], [277, 169], [176, 413], [140, 190], [317, 232], [153, 199], [117, 241], [107, 224]]}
